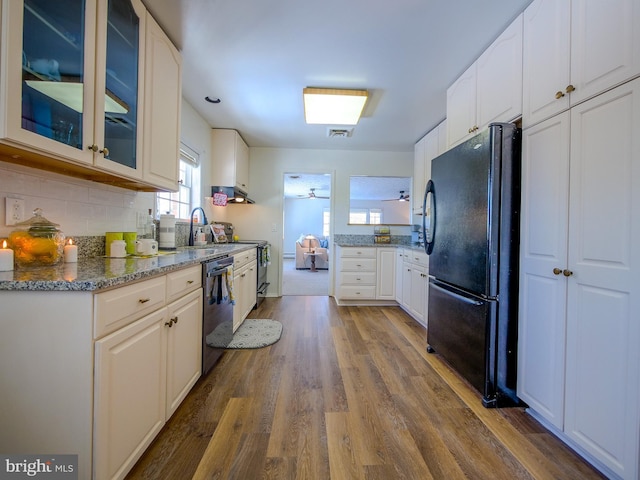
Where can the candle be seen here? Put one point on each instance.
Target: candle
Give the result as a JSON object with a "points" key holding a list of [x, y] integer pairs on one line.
{"points": [[70, 252], [6, 258], [70, 272]]}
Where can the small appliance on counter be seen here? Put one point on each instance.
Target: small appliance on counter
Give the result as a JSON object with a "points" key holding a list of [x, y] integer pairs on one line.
{"points": [[167, 234]]}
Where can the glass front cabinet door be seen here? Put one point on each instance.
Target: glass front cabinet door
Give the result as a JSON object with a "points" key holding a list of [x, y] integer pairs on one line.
{"points": [[71, 80]]}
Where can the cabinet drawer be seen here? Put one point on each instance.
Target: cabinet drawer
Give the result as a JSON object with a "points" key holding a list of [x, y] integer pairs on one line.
{"points": [[240, 259], [352, 292], [417, 258], [116, 308], [360, 252], [183, 281], [358, 265], [357, 278]]}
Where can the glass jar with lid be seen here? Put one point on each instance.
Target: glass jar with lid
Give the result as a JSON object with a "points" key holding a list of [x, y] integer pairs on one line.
{"points": [[37, 242]]}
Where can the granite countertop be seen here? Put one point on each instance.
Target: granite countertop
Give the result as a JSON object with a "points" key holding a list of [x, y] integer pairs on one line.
{"points": [[97, 273]]}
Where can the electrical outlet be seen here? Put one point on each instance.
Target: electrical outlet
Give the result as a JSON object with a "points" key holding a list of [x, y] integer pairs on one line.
{"points": [[14, 211]]}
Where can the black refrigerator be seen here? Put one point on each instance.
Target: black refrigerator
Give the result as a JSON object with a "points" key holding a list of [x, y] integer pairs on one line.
{"points": [[471, 231]]}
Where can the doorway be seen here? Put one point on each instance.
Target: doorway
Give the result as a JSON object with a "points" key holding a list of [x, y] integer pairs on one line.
{"points": [[306, 232]]}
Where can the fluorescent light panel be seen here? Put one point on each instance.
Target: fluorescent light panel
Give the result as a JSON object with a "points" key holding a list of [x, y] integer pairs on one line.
{"points": [[333, 106]]}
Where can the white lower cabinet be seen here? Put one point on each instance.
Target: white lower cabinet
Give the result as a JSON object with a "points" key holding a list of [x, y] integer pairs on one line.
{"points": [[145, 369], [415, 281], [130, 388], [399, 271], [111, 368], [383, 276], [366, 275], [356, 274], [386, 274], [579, 329], [184, 359], [245, 281]]}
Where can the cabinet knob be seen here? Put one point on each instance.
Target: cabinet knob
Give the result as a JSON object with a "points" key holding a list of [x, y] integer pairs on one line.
{"points": [[570, 88], [189, 282], [174, 319], [567, 273], [143, 300], [559, 94], [557, 271], [105, 151], [93, 147], [473, 129], [169, 323]]}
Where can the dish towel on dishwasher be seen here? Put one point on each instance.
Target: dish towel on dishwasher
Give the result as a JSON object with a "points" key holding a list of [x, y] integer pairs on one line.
{"points": [[266, 256], [228, 286]]}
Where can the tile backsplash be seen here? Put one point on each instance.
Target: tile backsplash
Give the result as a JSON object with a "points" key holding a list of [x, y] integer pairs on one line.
{"points": [[81, 207]]}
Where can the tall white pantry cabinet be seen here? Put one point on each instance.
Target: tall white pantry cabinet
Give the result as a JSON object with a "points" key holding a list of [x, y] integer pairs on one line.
{"points": [[579, 333]]}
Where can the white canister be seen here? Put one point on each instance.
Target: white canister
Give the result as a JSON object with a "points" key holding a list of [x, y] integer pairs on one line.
{"points": [[167, 234], [118, 249]]}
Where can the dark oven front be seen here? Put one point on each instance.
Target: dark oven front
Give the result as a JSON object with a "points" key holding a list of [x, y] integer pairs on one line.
{"points": [[217, 311], [262, 285]]}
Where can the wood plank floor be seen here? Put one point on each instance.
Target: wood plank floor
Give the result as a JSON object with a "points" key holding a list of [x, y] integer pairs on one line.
{"points": [[347, 393]]}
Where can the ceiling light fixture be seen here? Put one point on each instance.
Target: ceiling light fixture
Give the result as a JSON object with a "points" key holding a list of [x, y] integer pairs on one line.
{"points": [[333, 106]]}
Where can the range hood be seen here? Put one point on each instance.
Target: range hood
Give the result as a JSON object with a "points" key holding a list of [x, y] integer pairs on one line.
{"points": [[234, 194]]}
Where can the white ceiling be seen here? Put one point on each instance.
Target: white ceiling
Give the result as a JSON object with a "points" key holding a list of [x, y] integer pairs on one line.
{"points": [[258, 55]]}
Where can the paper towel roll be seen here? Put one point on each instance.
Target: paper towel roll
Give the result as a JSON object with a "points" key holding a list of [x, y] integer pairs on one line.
{"points": [[167, 235]]}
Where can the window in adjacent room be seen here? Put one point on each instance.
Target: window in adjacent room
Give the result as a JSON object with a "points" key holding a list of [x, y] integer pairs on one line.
{"points": [[182, 202], [365, 216], [325, 222]]}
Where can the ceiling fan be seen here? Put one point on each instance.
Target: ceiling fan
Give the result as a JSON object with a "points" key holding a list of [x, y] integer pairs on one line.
{"points": [[312, 194], [401, 198]]}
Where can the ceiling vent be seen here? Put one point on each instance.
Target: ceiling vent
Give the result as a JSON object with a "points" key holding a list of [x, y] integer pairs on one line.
{"points": [[339, 132]]}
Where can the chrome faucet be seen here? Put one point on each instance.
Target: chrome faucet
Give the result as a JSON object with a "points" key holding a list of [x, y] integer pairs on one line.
{"points": [[204, 221]]}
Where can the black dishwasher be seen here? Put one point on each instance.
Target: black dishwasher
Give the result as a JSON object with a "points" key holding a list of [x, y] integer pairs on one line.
{"points": [[217, 311]]}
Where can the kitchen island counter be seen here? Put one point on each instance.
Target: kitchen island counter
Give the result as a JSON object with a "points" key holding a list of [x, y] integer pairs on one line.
{"points": [[98, 273]]}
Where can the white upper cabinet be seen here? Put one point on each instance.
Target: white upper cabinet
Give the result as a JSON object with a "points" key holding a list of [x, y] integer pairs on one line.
{"points": [[427, 148], [499, 78], [605, 45], [490, 90], [73, 91], [230, 158], [119, 92], [418, 174], [461, 107], [574, 50], [73, 83], [546, 52], [163, 97]]}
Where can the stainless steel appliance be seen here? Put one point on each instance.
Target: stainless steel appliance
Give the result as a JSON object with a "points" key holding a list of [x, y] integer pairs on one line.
{"points": [[473, 239], [217, 311]]}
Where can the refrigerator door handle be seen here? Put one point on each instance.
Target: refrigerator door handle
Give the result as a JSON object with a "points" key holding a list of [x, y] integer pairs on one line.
{"points": [[462, 298], [429, 239]]}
